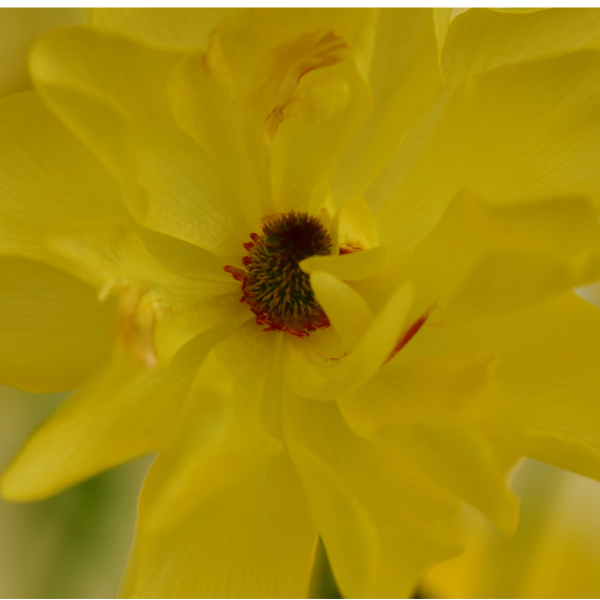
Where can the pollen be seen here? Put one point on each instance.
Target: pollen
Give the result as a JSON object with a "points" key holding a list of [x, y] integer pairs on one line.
{"points": [[273, 284]]}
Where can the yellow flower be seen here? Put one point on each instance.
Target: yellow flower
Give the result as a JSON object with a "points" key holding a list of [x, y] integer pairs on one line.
{"points": [[429, 192], [553, 554]]}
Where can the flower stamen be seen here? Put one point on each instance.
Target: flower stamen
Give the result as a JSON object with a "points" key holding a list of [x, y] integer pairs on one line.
{"points": [[273, 284]]}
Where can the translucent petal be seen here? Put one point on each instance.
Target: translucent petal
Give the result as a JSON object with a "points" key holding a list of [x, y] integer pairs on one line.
{"points": [[55, 333], [548, 363], [405, 80], [513, 134], [381, 521], [112, 92], [47, 178]]}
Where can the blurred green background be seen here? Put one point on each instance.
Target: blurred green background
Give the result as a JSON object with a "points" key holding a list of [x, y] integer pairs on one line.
{"points": [[76, 544]]}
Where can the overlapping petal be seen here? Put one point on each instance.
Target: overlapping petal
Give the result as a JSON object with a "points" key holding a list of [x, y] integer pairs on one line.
{"points": [[483, 258], [124, 411], [44, 173], [480, 40], [513, 134], [54, 331], [171, 27], [381, 521], [112, 92], [223, 512], [548, 363], [405, 80]]}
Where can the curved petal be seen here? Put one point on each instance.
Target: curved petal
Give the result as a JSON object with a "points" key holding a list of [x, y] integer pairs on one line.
{"points": [[225, 495], [448, 417], [381, 521], [47, 178], [124, 412], [55, 333], [513, 134], [405, 80], [311, 373], [346, 309], [253, 538], [348, 267], [480, 40], [548, 358], [172, 27], [485, 259], [112, 93], [159, 310]]}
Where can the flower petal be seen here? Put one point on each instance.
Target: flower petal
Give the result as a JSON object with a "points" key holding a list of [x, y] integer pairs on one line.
{"points": [[112, 92], [448, 417], [55, 333], [405, 80], [513, 134], [485, 259], [174, 27], [47, 178], [478, 41], [381, 521], [311, 373], [113, 259], [346, 309], [124, 412], [548, 358], [225, 496]]}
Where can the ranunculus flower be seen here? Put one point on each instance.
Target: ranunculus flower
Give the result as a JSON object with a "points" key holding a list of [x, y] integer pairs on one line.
{"points": [[403, 208]]}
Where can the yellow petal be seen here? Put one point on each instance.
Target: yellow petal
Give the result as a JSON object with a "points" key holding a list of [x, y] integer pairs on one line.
{"points": [[405, 80], [513, 134], [225, 497], [356, 491], [353, 226], [308, 372], [18, 30], [346, 309], [446, 415], [309, 142], [125, 411], [480, 40], [485, 259], [47, 178], [252, 539], [548, 362], [176, 27], [55, 333], [111, 258], [349, 267], [112, 92]]}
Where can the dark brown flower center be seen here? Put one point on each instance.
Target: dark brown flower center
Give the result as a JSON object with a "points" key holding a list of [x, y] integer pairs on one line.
{"points": [[274, 285]]}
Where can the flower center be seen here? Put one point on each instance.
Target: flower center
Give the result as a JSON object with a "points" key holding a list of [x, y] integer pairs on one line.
{"points": [[276, 288]]}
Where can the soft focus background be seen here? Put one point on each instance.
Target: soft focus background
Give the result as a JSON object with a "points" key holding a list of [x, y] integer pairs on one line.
{"points": [[76, 544]]}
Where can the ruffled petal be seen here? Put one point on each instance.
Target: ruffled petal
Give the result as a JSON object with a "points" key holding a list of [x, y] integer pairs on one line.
{"points": [[225, 498], [124, 412], [513, 134], [381, 521], [480, 40], [548, 358], [449, 419], [158, 310], [405, 79], [112, 93], [47, 178], [325, 371], [171, 27], [55, 333], [486, 259]]}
